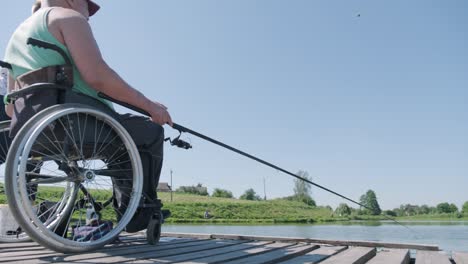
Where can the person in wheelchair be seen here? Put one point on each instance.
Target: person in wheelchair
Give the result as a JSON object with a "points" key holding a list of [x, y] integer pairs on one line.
{"points": [[72, 140]]}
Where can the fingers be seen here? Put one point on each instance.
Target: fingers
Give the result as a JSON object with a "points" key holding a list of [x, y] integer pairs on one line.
{"points": [[169, 121], [161, 119], [160, 115]]}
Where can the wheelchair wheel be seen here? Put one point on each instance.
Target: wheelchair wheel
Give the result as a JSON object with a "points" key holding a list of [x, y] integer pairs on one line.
{"points": [[10, 231], [153, 232], [74, 178]]}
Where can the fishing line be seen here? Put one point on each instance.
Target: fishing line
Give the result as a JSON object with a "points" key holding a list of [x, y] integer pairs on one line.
{"points": [[187, 130], [185, 145]]}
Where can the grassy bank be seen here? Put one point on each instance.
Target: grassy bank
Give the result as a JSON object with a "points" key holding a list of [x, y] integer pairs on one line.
{"points": [[186, 208]]}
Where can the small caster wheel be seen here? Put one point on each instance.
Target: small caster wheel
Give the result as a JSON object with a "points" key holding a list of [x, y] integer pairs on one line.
{"points": [[153, 231]]}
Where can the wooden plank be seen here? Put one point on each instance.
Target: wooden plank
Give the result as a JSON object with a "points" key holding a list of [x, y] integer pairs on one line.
{"points": [[273, 256], [255, 251], [31, 252], [235, 255], [317, 255], [162, 241], [114, 249], [460, 257], [184, 247], [199, 256], [21, 246], [154, 252], [355, 243], [431, 257], [4, 246], [19, 249], [217, 245], [397, 256], [131, 250], [354, 255], [23, 258], [188, 235]]}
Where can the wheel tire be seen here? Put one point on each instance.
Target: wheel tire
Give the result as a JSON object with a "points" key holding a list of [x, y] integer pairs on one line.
{"points": [[8, 223], [153, 232], [79, 176]]}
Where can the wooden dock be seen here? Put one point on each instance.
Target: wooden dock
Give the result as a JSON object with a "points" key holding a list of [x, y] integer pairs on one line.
{"points": [[212, 248]]}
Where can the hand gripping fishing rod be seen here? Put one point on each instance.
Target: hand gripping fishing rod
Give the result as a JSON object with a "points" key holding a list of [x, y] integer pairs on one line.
{"points": [[182, 144]]}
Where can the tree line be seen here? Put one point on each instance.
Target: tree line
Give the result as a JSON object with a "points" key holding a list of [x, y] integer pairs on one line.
{"points": [[369, 200], [441, 208], [302, 191], [199, 189]]}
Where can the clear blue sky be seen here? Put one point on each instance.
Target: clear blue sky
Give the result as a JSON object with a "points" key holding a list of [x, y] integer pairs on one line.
{"points": [[376, 101]]}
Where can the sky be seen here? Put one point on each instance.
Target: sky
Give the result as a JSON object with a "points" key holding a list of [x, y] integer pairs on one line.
{"points": [[360, 94]]}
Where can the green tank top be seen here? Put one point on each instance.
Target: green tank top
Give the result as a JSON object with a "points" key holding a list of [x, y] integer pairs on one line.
{"points": [[24, 58]]}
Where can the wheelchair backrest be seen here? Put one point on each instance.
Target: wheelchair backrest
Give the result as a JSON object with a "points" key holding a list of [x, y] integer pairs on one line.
{"points": [[39, 89]]}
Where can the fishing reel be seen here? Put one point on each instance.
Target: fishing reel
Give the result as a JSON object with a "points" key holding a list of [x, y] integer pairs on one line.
{"points": [[179, 142]]}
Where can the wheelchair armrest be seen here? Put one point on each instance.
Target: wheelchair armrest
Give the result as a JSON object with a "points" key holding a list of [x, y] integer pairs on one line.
{"points": [[27, 90]]}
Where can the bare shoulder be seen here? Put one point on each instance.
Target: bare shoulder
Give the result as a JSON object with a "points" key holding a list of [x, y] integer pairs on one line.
{"points": [[63, 22], [65, 15]]}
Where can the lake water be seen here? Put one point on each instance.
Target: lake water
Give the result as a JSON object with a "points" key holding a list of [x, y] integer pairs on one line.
{"points": [[449, 236]]}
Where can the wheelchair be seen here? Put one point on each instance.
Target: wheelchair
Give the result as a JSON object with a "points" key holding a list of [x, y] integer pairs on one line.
{"points": [[73, 174]]}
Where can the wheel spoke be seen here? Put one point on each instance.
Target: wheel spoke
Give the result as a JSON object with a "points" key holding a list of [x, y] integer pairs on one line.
{"points": [[47, 179]]}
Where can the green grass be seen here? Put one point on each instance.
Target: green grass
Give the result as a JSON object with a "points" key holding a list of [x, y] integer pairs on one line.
{"points": [[187, 208]]}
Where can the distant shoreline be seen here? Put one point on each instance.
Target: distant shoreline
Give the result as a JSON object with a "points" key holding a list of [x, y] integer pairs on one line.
{"points": [[190, 209], [195, 209], [331, 221]]}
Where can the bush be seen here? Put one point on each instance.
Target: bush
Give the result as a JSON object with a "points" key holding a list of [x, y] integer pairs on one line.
{"points": [[222, 193], [390, 213], [304, 199], [465, 208], [343, 209], [250, 195], [446, 208], [198, 190]]}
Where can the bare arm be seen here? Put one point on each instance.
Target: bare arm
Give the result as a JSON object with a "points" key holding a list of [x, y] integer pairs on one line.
{"points": [[79, 39]]}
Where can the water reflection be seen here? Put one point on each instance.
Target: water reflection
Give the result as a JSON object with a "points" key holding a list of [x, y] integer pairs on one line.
{"points": [[404, 222]]}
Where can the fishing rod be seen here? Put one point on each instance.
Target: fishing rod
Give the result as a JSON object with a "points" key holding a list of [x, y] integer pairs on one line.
{"points": [[182, 144], [185, 145]]}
